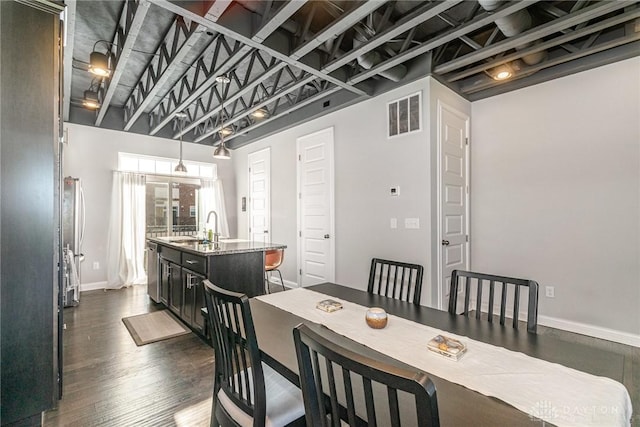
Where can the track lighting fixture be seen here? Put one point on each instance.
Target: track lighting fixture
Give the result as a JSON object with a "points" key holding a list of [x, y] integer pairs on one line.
{"points": [[99, 62]]}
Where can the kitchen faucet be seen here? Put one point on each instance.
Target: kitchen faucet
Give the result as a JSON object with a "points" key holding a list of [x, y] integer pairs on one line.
{"points": [[216, 235]]}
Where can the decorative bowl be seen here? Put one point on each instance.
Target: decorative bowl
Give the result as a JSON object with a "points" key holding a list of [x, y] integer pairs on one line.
{"points": [[376, 318]]}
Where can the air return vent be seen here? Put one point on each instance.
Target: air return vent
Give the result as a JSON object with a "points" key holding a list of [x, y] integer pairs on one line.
{"points": [[404, 116]]}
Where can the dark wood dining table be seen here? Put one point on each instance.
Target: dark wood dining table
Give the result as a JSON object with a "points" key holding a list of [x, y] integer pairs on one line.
{"points": [[458, 405]]}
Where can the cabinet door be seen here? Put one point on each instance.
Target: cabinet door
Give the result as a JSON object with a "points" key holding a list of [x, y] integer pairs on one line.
{"points": [[193, 299], [165, 278], [188, 278], [198, 320], [175, 289]]}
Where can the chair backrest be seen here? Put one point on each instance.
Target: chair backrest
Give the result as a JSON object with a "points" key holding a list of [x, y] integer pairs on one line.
{"points": [[238, 368], [506, 299], [395, 279], [356, 388], [273, 258]]}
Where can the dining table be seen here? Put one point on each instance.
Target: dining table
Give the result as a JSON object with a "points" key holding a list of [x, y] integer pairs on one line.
{"points": [[458, 405]]}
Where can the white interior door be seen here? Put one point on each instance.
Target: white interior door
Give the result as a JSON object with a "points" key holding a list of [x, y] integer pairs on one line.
{"points": [[453, 196], [260, 195], [316, 240]]}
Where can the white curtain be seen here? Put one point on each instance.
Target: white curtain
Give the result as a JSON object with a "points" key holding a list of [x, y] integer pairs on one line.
{"points": [[212, 199], [126, 237]]}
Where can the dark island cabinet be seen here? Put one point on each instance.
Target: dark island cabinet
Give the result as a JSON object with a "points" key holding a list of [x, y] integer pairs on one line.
{"points": [[193, 299], [164, 278]]}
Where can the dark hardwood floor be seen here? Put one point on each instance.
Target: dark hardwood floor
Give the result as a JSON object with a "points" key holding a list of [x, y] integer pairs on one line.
{"points": [[109, 381]]}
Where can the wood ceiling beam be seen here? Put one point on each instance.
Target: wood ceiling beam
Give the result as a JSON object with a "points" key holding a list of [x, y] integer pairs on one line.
{"points": [[124, 40]]}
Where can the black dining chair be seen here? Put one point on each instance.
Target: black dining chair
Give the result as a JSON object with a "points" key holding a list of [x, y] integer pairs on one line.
{"points": [[246, 391], [342, 387], [504, 293], [394, 279]]}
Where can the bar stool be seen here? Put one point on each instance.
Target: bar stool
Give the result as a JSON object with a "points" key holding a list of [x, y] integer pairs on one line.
{"points": [[272, 260]]}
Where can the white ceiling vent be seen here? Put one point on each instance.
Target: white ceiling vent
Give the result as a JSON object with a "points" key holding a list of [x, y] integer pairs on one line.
{"points": [[404, 115]]}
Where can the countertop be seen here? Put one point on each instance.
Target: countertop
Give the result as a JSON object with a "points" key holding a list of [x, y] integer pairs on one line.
{"points": [[224, 247]]}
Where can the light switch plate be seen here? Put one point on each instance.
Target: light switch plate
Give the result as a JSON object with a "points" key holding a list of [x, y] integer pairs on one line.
{"points": [[412, 223], [394, 222], [395, 191]]}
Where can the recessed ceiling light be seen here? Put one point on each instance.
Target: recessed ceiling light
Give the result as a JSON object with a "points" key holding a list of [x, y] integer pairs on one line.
{"points": [[501, 72], [223, 79], [260, 113]]}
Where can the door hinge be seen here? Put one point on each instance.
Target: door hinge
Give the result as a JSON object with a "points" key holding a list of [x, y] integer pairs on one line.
{"points": [[467, 237], [300, 196], [466, 140], [299, 157], [299, 233], [467, 189], [301, 272]]}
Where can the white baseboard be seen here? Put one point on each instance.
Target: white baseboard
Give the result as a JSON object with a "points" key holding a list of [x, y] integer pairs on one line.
{"points": [[591, 330], [92, 286], [287, 283]]}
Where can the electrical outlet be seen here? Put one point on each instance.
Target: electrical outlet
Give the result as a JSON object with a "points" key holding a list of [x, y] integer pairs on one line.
{"points": [[96, 265], [550, 292]]}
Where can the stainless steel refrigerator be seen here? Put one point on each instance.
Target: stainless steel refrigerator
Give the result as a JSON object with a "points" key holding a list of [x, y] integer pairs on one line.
{"points": [[73, 224]]}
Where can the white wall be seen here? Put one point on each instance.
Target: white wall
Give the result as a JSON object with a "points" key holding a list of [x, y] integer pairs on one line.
{"points": [[92, 155], [555, 189], [367, 165]]}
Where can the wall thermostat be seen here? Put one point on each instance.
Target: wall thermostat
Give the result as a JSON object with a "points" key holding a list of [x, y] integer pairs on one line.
{"points": [[395, 191]]}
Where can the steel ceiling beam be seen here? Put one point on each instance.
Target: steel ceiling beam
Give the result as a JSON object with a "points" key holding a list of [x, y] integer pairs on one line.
{"points": [[132, 18], [536, 33], [576, 34], [449, 35], [339, 26], [620, 53], [527, 71], [422, 14], [285, 111], [169, 60], [334, 29], [238, 30], [287, 89], [281, 15]]}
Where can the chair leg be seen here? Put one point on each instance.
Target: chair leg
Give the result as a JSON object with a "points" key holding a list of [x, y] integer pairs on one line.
{"points": [[281, 281], [267, 289]]}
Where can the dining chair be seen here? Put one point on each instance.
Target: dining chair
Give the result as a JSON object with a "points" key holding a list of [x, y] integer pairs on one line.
{"points": [[341, 387], [498, 286], [246, 391], [394, 279], [272, 261]]}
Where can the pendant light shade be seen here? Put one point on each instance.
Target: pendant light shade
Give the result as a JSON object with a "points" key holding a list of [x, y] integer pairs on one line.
{"points": [[221, 152], [180, 167]]}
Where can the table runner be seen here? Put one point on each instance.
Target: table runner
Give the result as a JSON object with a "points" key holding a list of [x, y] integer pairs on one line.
{"points": [[544, 390]]}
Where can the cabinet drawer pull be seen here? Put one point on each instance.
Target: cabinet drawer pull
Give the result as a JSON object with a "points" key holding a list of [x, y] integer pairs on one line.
{"points": [[189, 261]]}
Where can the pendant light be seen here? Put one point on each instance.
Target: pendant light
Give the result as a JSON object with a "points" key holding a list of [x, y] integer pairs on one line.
{"points": [[221, 151], [181, 168], [91, 99]]}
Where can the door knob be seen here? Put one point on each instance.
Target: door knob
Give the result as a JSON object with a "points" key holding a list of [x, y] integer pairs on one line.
{"points": [[266, 231], [445, 243], [326, 236]]}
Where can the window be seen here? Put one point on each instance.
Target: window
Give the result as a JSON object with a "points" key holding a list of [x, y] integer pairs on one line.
{"points": [[172, 200], [404, 115]]}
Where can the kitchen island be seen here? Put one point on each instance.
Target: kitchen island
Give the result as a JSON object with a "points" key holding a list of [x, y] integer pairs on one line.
{"points": [[181, 263]]}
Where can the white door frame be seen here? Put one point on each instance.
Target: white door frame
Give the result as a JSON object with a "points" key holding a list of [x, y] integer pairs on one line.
{"points": [[332, 215], [442, 106], [266, 150]]}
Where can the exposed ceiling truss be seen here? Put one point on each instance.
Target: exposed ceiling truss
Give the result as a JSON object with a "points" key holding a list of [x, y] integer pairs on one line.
{"points": [[297, 59]]}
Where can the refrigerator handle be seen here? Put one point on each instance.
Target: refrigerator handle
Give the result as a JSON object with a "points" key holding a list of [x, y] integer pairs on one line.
{"points": [[82, 207]]}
